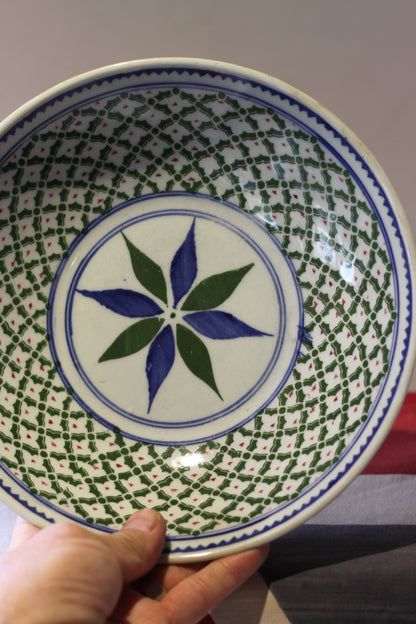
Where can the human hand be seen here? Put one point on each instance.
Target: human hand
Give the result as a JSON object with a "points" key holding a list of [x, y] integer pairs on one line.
{"points": [[65, 574]]}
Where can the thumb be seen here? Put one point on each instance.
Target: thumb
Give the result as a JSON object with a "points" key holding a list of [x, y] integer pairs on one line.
{"points": [[138, 545]]}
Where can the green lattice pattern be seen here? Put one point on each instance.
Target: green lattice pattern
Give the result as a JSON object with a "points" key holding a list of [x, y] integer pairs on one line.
{"points": [[161, 140]]}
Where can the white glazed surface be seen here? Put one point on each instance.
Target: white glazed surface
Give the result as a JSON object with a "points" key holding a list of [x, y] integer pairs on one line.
{"points": [[294, 171]]}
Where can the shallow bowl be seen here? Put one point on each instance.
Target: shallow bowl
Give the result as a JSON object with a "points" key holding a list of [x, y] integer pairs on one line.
{"points": [[206, 304]]}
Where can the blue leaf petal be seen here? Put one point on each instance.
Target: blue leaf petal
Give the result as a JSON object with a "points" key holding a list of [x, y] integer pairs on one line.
{"points": [[159, 361], [220, 325], [184, 267], [125, 302]]}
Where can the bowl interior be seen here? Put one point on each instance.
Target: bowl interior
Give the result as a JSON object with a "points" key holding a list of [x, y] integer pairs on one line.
{"points": [[205, 304]]}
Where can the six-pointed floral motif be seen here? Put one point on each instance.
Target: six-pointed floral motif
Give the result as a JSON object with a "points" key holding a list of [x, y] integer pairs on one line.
{"points": [[194, 305]]}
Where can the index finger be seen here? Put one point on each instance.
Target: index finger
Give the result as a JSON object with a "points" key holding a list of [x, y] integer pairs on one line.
{"points": [[198, 594], [22, 532]]}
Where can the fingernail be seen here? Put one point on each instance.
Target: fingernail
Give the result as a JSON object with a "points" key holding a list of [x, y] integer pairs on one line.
{"points": [[143, 520]]}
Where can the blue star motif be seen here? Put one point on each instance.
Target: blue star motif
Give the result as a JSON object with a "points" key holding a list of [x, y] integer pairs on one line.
{"points": [[197, 305]]}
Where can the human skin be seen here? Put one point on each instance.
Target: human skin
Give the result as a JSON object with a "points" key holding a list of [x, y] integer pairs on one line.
{"points": [[66, 574]]}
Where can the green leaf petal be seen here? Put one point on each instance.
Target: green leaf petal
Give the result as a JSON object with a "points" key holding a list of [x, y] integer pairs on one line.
{"points": [[149, 274], [196, 357], [133, 339], [214, 290]]}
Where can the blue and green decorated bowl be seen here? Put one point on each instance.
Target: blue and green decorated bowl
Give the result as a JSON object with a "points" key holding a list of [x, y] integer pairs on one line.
{"points": [[206, 304]]}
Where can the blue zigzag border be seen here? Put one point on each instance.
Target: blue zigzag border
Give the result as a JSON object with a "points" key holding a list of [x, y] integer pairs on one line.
{"points": [[275, 93]]}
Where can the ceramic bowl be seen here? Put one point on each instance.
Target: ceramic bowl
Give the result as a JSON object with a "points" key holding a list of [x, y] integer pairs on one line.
{"points": [[206, 304]]}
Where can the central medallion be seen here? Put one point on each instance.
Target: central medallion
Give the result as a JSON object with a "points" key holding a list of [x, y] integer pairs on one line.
{"points": [[176, 318]]}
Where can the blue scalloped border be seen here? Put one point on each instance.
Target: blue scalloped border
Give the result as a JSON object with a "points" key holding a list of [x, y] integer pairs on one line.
{"points": [[237, 79]]}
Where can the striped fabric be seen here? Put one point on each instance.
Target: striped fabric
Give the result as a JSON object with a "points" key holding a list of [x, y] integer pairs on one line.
{"points": [[355, 562]]}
